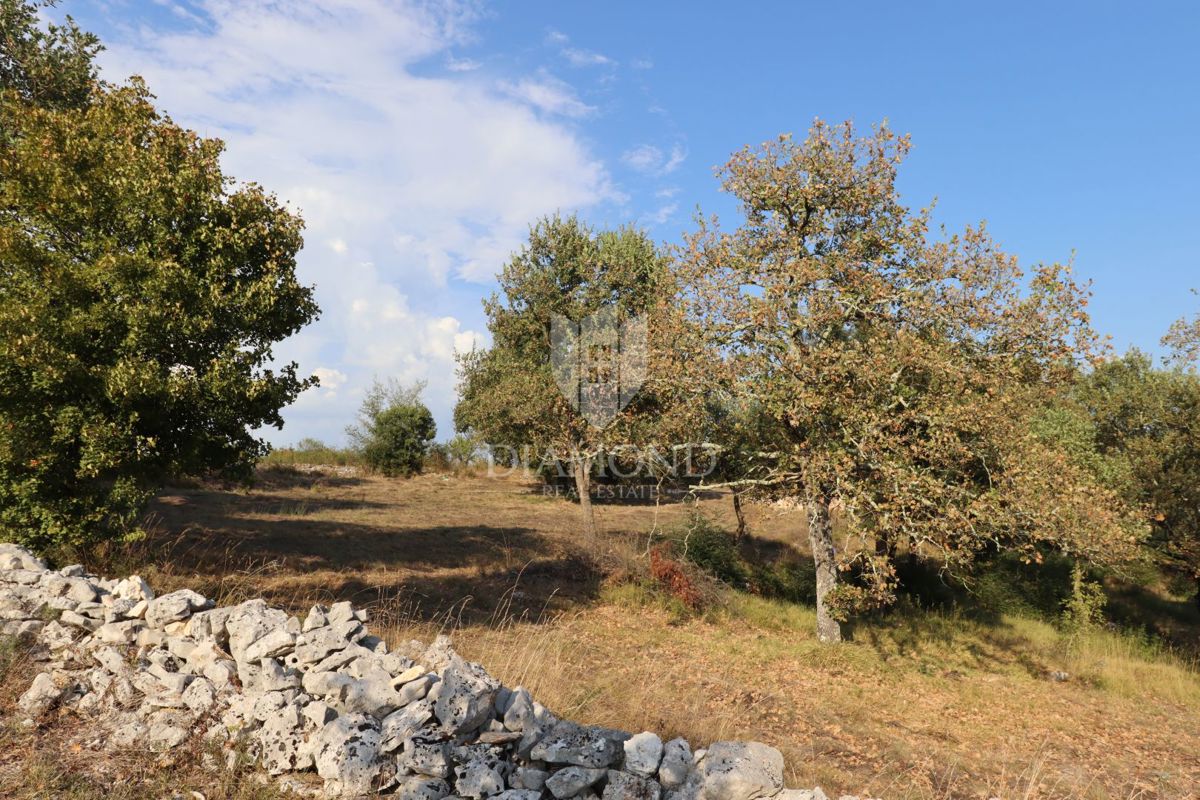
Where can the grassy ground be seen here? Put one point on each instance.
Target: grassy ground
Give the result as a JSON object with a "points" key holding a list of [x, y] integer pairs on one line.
{"points": [[918, 705]]}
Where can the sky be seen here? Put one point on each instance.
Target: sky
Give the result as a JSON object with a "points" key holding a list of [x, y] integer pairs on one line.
{"points": [[419, 140]]}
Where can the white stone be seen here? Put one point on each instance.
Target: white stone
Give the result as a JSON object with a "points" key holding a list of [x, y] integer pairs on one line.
{"points": [[346, 753], [643, 752], [272, 645], [741, 771], [41, 695], [134, 588], [174, 607], [200, 695], [570, 781], [676, 763]]}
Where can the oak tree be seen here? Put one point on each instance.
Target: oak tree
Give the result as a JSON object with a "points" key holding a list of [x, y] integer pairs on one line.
{"points": [[141, 295], [900, 368]]}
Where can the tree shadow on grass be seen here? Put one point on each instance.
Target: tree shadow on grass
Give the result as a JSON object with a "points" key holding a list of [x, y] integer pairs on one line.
{"points": [[233, 546]]}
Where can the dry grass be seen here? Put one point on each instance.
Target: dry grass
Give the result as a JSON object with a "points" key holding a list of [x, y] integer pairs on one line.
{"points": [[917, 706]]}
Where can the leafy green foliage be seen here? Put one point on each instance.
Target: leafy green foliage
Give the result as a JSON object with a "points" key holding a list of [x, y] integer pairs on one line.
{"points": [[1183, 340], [52, 68], [395, 430], [1146, 425], [900, 371], [507, 394], [1084, 607], [140, 298], [310, 451], [701, 541]]}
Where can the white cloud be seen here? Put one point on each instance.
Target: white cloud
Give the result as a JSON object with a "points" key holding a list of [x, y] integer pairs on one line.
{"points": [[331, 379], [548, 94], [462, 64], [678, 154], [661, 214], [643, 158], [578, 57], [433, 180], [651, 160]]}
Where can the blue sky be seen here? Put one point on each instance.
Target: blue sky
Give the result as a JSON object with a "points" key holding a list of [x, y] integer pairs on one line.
{"points": [[419, 140]]}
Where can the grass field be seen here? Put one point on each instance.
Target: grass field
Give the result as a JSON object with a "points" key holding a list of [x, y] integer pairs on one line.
{"points": [[928, 705]]}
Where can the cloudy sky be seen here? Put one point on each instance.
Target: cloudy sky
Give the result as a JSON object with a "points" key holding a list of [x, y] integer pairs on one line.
{"points": [[420, 139]]}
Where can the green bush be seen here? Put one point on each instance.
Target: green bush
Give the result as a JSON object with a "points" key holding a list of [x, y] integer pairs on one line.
{"points": [[311, 451], [141, 293], [780, 573], [395, 430], [705, 544]]}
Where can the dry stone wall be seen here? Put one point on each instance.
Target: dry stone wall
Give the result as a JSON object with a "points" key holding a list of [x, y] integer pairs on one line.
{"points": [[321, 694]]}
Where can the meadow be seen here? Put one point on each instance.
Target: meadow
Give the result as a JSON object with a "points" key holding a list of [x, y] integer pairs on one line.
{"points": [[945, 703]]}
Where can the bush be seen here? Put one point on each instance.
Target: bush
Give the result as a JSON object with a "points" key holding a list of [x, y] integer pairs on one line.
{"points": [[311, 451], [708, 546], [141, 293], [713, 549], [395, 430], [462, 451]]}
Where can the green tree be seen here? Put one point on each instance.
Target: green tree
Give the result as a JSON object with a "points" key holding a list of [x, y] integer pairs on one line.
{"points": [[52, 68], [141, 294], [1183, 341], [1145, 425], [394, 430], [508, 394], [901, 371]]}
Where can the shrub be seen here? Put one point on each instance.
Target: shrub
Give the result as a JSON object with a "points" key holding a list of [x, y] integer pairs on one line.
{"points": [[702, 542], [708, 546], [395, 429], [1084, 607], [671, 575], [141, 293], [311, 451]]}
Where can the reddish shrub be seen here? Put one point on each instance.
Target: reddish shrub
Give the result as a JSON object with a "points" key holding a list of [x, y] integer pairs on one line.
{"points": [[671, 576]]}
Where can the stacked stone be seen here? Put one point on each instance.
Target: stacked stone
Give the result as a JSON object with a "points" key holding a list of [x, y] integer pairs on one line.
{"points": [[322, 694]]}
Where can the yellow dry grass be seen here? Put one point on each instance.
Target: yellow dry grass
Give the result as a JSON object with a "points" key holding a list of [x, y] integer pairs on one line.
{"points": [[916, 706]]}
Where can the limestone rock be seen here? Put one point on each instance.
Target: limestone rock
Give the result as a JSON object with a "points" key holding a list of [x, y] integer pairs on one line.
{"points": [[421, 788], [280, 741], [174, 607], [518, 794], [346, 754], [41, 695], [741, 771], [477, 779], [134, 588], [200, 695], [426, 755], [272, 645], [400, 725], [643, 752], [571, 743], [529, 778], [249, 622], [571, 781], [627, 786], [676, 763]]}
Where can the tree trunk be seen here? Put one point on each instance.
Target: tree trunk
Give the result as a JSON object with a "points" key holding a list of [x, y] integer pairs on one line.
{"points": [[741, 515], [820, 538], [583, 487]]}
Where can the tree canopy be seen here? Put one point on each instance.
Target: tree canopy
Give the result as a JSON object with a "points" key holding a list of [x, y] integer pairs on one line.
{"points": [[901, 368], [509, 395], [141, 294]]}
